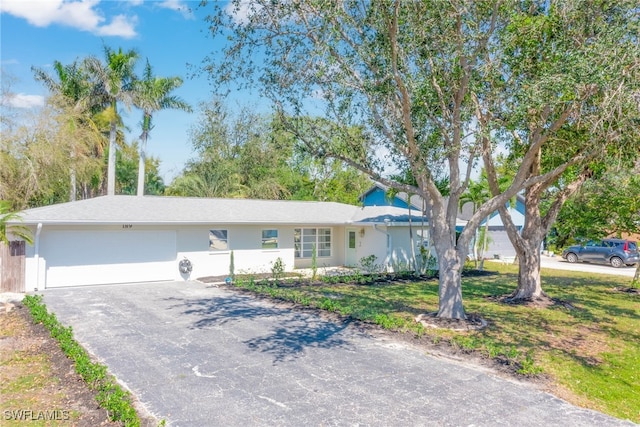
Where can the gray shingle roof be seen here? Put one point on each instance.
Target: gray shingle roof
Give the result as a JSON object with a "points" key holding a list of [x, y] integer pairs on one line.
{"points": [[184, 210]]}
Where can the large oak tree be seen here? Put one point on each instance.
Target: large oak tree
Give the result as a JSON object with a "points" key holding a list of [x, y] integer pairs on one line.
{"points": [[569, 101], [430, 84]]}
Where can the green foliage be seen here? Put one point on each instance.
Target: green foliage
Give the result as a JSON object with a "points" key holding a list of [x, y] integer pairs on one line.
{"points": [[18, 230], [232, 267], [314, 263], [388, 321], [112, 85], [607, 206], [368, 264], [127, 159], [152, 94], [277, 269], [528, 366], [111, 396], [39, 154], [83, 103], [432, 86], [250, 155]]}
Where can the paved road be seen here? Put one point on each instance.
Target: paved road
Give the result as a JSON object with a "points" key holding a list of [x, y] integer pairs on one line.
{"points": [[203, 356], [557, 263], [560, 264]]}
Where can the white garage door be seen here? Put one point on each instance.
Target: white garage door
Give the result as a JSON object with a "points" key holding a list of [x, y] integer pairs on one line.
{"points": [[76, 258]]}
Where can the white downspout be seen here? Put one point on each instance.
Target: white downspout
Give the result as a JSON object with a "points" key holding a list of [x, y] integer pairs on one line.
{"points": [[37, 255]]}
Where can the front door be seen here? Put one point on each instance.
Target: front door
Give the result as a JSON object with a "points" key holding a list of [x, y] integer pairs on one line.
{"points": [[351, 253]]}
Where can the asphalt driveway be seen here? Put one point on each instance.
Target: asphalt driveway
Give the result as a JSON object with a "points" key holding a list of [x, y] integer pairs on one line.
{"points": [[204, 356]]}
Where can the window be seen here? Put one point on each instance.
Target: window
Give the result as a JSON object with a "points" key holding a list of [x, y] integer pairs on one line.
{"points": [[305, 239], [352, 239], [269, 239], [218, 240]]}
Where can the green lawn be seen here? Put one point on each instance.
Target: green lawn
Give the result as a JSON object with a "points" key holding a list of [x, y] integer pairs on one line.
{"points": [[589, 346]]}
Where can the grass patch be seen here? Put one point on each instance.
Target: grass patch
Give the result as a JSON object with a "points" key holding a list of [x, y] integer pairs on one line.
{"points": [[27, 380], [589, 345]]}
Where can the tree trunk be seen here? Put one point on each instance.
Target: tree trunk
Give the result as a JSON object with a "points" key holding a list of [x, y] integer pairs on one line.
{"points": [[475, 250], [73, 189], [483, 243], [527, 245], [636, 277], [141, 166], [111, 167], [529, 283], [449, 281]]}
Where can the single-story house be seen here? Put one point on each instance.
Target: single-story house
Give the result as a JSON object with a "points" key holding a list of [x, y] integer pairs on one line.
{"points": [[121, 239]]}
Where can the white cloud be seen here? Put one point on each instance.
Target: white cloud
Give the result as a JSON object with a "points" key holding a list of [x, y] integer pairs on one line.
{"points": [[120, 26], [81, 14], [242, 11], [178, 6], [22, 100]]}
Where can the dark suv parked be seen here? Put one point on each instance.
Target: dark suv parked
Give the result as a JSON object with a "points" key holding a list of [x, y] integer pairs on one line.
{"points": [[617, 252]]}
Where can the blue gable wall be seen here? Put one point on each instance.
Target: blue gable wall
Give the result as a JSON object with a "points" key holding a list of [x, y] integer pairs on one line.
{"points": [[377, 197], [519, 207]]}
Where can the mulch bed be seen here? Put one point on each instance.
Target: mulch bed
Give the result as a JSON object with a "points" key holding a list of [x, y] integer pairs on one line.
{"points": [[473, 322]]}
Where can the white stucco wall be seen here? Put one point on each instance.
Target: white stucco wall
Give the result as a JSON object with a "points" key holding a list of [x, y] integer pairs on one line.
{"points": [[391, 245], [101, 254], [244, 241]]}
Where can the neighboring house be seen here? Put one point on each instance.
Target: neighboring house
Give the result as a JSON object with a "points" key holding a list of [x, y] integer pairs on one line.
{"points": [[500, 245], [121, 239], [378, 195]]}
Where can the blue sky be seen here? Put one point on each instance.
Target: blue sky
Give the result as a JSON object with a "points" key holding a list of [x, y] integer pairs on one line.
{"points": [[170, 33]]}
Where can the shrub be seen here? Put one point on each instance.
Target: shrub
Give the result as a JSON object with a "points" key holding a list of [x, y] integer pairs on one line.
{"points": [[368, 264], [232, 267], [277, 269], [111, 396], [314, 263]]}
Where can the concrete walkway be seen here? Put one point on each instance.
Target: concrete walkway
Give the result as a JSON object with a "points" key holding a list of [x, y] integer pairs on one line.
{"points": [[203, 356]]}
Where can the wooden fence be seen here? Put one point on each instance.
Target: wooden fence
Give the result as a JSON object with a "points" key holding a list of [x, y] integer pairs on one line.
{"points": [[12, 266]]}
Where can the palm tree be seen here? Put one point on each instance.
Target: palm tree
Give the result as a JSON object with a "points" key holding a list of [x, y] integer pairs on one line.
{"points": [[71, 95], [477, 194], [113, 82], [216, 181], [7, 216], [152, 94]]}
